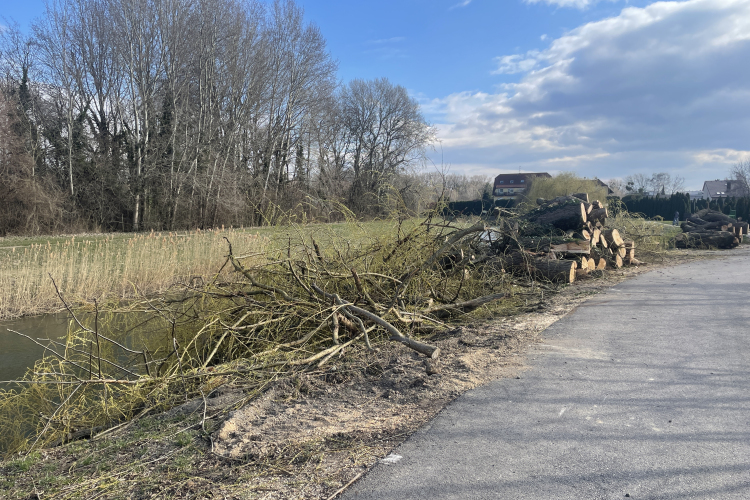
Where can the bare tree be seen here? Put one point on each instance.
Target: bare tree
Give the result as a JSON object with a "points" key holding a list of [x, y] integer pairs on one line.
{"points": [[388, 134], [617, 185], [637, 183], [741, 172], [58, 56]]}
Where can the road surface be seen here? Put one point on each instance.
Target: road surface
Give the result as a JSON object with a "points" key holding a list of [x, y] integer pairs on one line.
{"points": [[642, 392]]}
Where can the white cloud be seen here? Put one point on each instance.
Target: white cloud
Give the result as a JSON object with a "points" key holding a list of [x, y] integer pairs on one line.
{"points": [[725, 156], [516, 63], [578, 4], [667, 81], [460, 4], [386, 41]]}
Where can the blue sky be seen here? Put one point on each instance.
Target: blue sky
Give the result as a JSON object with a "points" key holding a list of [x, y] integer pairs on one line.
{"points": [[604, 88]]}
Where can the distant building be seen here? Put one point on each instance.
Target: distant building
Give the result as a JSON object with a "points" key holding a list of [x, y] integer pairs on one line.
{"points": [[696, 195], [724, 189], [511, 186], [610, 191]]}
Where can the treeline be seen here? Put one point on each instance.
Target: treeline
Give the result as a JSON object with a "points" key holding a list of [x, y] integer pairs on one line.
{"points": [[475, 207], [665, 207], [662, 206], [174, 114]]}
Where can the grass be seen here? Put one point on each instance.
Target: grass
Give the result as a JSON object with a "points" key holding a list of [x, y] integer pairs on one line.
{"points": [[187, 321], [110, 267], [652, 238], [114, 267]]}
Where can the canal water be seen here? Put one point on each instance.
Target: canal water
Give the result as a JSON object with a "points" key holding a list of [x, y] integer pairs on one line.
{"points": [[17, 354], [133, 329]]}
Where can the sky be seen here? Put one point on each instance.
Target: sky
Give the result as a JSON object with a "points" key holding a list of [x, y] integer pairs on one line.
{"points": [[603, 88]]}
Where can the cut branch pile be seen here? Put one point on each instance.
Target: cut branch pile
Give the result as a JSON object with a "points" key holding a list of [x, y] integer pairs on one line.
{"points": [[297, 307], [710, 228]]}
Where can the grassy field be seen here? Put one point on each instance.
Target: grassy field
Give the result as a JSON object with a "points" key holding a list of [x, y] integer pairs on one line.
{"points": [[112, 267]]}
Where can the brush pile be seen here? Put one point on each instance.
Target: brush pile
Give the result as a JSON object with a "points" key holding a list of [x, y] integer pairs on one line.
{"points": [[710, 228]]}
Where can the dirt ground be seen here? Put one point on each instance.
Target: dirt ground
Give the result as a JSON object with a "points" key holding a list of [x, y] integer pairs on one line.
{"points": [[308, 436]]}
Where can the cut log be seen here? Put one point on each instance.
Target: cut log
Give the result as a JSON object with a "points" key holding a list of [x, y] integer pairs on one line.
{"points": [[601, 265], [565, 217], [550, 270], [612, 237], [572, 248], [598, 215], [582, 273], [621, 251], [592, 265], [582, 196], [586, 234], [617, 261], [693, 219], [596, 236], [597, 204], [603, 241], [706, 239], [713, 216]]}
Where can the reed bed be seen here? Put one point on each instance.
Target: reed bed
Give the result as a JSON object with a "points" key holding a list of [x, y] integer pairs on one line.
{"points": [[110, 268]]}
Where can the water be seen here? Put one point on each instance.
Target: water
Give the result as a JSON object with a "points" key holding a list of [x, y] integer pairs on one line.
{"points": [[17, 353], [133, 329]]}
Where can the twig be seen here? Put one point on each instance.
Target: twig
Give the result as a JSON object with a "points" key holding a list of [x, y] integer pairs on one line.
{"points": [[46, 348], [343, 488]]}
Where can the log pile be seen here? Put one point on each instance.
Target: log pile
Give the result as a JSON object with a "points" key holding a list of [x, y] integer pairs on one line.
{"points": [[564, 239], [710, 228]]}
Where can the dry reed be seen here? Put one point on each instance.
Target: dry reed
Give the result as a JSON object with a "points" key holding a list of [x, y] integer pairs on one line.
{"points": [[111, 269]]}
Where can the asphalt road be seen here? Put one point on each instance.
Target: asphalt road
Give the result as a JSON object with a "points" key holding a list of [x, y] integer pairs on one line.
{"points": [[642, 392]]}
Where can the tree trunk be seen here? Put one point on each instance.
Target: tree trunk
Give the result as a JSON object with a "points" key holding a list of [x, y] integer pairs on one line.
{"points": [[551, 270], [598, 215], [706, 239], [613, 238], [565, 217]]}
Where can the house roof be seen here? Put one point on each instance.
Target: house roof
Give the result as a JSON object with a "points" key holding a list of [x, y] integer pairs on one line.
{"points": [[724, 189], [517, 180], [602, 183]]}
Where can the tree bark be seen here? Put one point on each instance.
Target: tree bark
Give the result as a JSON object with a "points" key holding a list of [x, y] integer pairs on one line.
{"points": [[550, 270], [565, 217], [598, 215], [613, 238]]}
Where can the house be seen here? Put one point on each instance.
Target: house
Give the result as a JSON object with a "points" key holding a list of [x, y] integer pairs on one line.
{"points": [[610, 191], [511, 186], [724, 189]]}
